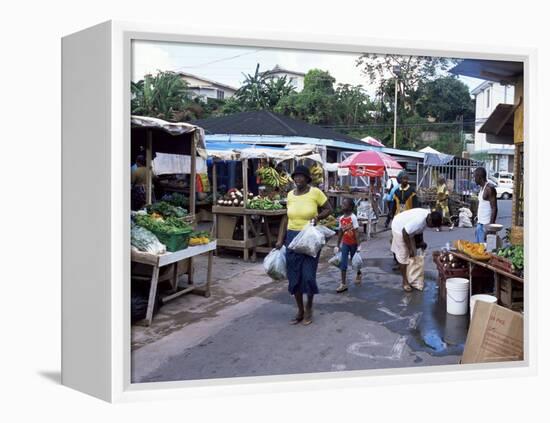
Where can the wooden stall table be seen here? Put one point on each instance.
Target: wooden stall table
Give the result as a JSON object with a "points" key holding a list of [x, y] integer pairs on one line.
{"points": [[500, 276], [225, 220], [158, 261]]}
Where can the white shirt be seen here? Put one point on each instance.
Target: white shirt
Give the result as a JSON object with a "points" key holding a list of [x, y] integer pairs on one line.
{"points": [[391, 183], [484, 210], [413, 221]]}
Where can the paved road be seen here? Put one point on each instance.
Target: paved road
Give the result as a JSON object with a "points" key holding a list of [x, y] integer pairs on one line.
{"points": [[242, 329]]}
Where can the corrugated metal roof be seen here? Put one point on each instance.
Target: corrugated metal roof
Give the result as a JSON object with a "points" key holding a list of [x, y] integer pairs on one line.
{"points": [[264, 123]]}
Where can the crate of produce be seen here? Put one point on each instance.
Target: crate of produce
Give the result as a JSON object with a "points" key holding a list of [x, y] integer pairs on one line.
{"points": [[501, 263], [450, 266]]}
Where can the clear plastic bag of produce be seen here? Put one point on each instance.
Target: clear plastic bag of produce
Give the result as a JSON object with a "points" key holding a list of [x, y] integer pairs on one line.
{"points": [[309, 241], [357, 261], [335, 260], [144, 240], [275, 264], [328, 233]]}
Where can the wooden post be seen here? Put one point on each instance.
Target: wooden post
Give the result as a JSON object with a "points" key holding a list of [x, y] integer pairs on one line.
{"points": [[245, 218], [152, 295], [193, 182], [149, 166], [245, 181], [214, 183], [325, 171], [214, 232]]}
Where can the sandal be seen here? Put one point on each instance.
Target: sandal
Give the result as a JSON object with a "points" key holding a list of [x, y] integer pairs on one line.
{"points": [[297, 319], [341, 288], [308, 318], [407, 288]]}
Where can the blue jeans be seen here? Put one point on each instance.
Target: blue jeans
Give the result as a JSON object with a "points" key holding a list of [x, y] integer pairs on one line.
{"points": [[347, 252], [480, 232]]}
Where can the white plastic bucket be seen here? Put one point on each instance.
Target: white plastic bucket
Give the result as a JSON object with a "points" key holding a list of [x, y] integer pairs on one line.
{"points": [[480, 297], [458, 290]]}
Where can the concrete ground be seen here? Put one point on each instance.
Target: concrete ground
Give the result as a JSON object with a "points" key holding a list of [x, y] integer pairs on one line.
{"points": [[243, 330]]}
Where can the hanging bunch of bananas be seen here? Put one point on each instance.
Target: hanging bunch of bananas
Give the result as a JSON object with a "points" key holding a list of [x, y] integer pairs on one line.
{"points": [[317, 174], [269, 176]]}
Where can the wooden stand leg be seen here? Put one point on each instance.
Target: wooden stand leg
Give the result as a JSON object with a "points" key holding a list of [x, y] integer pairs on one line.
{"points": [[209, 274], [152, 296], [245, 237], [175, 277], [256, 234], [191, 271]]}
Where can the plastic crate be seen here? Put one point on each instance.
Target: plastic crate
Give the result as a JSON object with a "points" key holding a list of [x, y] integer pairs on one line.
{"points": [[174, 242]]}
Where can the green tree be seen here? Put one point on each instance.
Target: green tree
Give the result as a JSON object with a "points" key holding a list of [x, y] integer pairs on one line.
{"points": [[315, 103], [162, 96], [260, 91], [445, 99], [352, 104], [413, 70]]}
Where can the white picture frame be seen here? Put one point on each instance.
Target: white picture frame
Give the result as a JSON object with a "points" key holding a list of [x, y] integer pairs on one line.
{"points": [[96, 66]]}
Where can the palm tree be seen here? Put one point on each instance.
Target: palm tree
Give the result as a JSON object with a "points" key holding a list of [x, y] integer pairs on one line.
{"points": [[163, 96]]}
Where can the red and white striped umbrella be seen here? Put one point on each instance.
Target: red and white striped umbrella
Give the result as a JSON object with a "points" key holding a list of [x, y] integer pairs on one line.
{"points": [[369, 163]]}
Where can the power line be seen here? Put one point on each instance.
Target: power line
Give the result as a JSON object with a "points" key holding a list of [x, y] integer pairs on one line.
{"points": [[219, 60]]}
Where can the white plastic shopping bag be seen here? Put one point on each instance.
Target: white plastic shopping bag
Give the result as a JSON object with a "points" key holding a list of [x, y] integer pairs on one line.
{"points": [[336, 259], [357, 261], [309, 241], [275, 264]]}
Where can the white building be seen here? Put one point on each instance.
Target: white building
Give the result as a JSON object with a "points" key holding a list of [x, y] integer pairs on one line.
{"points": [[206, 88], [295, 78], [488, 95]]}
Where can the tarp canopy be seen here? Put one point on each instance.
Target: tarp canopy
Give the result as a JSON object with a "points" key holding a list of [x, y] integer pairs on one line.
{"points": [[437, 159], [372, 141], [168, 137], [237, 151]]}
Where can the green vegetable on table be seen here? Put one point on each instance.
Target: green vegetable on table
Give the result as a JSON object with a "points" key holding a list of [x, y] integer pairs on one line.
{"points": [[169, 226], [166, 209], [513, 253], [259, 203]]}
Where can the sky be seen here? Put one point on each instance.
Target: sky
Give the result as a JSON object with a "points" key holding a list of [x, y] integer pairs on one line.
{"points": [[226, 64]]}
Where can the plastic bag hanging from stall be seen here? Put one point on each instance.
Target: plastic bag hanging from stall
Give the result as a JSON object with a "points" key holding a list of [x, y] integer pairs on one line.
{"points": [[309, 241]]}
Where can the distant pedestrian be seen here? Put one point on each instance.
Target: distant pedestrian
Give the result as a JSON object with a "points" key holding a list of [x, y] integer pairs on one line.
{"points": [[405, 197], [487, 208], [304, 204], [348, 242], [442, 199], [391, 186]]}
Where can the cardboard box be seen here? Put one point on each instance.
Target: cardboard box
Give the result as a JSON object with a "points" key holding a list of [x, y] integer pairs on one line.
{"points": [[495, 334]]}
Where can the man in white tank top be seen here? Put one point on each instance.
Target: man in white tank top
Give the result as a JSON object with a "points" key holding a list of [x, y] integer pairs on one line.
{"points": [[487, 209]]}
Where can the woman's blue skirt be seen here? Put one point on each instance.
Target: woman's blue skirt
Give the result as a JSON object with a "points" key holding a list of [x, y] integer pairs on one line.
{"points": [[301, 269]]}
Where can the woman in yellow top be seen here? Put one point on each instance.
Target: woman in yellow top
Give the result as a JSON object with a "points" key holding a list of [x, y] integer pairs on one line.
{"points": [[442, 201], [304, 204]]}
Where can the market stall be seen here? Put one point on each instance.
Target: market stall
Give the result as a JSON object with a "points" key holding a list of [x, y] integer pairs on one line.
{"points": [[162, 234], [249, 222], [499, 273], [372, 165]]}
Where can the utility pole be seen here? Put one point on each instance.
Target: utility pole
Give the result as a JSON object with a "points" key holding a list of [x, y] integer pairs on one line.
{"points": [[397, 72]]}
